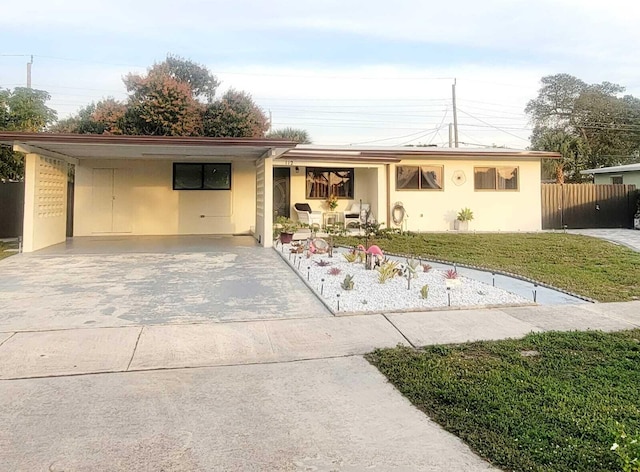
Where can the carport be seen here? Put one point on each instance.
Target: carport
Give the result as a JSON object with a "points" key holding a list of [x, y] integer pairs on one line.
{"points": [[121, 280], [146, 185]]}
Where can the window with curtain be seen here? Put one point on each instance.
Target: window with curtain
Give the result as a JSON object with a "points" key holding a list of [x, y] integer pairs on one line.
{"points": [[496, 178], [324, 182], [419, 177], [196, 176]]}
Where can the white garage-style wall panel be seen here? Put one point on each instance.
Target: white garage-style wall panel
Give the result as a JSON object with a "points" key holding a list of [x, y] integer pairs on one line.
{"points": [[144, 202]]}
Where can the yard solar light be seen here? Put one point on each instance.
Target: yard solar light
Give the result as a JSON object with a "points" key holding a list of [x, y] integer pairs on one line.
{"points": [[322, 287], [535, 293], [308, 271], [338, 297], [449, 295], [493, 274]]}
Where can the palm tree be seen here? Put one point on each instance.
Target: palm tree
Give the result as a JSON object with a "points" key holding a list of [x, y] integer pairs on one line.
{"points": [[570, 147], [292, 134]]}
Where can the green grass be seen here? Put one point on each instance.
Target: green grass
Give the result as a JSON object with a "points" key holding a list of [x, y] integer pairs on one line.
{"points": [[555, 411], [591, 267], [4, 247]]}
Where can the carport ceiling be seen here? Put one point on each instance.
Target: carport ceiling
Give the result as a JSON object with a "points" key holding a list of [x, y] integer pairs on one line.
{"points": [[87, 146]]}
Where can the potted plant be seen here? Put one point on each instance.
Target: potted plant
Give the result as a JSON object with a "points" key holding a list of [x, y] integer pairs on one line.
{"points": [[332, 202], [285, 229], [462, 221]]}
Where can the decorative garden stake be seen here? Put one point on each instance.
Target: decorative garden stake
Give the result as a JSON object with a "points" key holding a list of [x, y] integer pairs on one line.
{"points": [[449, 295], [321, 286]]}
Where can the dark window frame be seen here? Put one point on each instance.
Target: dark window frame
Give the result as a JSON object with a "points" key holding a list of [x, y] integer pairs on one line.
{"points": [[202, 175], [420, 187], [614, 177], [497, 177], [352, 177]]}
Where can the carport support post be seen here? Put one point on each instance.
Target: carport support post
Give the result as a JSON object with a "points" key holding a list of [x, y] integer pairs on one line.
{"points": [[267, 222]]}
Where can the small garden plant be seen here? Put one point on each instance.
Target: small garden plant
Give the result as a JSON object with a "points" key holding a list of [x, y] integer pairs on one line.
{"points": [[335, 271], [451, 274], [347, 283], [387, 271]]}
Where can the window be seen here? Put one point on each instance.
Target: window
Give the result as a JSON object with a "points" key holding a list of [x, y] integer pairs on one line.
{"points": [[616, 179], [192, 176], [419, 177], [322, 183], [496, 178]]}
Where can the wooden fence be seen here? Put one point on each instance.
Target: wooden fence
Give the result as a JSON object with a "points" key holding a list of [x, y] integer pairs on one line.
{"points": [[576, 206], [11, 209]]}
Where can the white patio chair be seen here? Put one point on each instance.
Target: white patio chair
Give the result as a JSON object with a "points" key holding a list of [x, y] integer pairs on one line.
{"points": [[356, 213], [306, 215]]}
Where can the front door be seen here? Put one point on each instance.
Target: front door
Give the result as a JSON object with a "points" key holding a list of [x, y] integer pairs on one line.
{"points": [[281, 186], [111, 203]]}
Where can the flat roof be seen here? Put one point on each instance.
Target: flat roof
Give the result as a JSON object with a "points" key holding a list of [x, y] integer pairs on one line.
{"points": [[101, 146], [613, 169]]}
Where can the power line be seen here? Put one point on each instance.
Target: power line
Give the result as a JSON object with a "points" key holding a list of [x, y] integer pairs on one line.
{"points": [[492, 126]]}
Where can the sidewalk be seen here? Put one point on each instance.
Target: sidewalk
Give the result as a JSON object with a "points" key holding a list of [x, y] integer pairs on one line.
{"points": [[55, 353]]}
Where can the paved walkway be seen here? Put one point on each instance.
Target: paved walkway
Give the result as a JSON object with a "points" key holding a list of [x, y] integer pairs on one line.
{"points": [[28, 354], [257, 395], [626, 237]]}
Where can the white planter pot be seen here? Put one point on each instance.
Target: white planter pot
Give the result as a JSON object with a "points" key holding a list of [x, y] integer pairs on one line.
{"points": [[461, 225]]}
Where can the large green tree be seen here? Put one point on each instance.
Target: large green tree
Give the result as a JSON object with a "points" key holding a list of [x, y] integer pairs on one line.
{"points": [[235, 115], [592, 125], [174, 97], [22, 109]]}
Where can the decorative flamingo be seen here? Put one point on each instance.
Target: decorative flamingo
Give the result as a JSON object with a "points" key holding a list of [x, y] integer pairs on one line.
{"points": [[373, 249]]}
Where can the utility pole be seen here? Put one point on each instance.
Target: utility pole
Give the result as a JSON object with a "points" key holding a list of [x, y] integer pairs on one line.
{"points": [[29, 72], [455, 113], [450, 135]]}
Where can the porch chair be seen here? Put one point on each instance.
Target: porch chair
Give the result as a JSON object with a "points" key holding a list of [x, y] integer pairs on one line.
{"points": [[308, 216], [356, 213]]}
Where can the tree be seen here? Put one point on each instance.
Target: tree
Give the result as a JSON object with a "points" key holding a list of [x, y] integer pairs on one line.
{"points": [[22, 109], [161, 105], [291, 134], [202, 82], [235, 115], [589, 123], [105, 117]]}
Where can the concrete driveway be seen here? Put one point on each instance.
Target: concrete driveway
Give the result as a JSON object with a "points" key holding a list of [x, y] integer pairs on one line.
{"points": [[117, 281], [626, 237], [327, 414]]}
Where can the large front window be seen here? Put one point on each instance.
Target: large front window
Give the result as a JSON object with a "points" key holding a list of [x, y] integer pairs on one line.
{"points": [[192, 176], [496, 178], [419, 178], [323, 182]]}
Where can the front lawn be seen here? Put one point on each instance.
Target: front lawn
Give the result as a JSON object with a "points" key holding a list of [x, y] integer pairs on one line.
{"points": [[587, 266], [548, 402]]}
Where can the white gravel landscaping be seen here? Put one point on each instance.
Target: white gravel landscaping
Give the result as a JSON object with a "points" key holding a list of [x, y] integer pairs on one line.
{"points": [[370, 295]]}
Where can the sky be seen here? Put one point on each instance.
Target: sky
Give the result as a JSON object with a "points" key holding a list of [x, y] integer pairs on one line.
{"points": [[349, 72]]}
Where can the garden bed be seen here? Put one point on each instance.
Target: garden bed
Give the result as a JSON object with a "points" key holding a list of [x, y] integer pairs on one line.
{"points": [[397, 293]]}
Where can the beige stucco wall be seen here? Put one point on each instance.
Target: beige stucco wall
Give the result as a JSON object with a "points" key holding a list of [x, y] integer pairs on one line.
{"points": [[628, 178], [430, 210], [506, 210], [146, 199], [45, 202]]}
